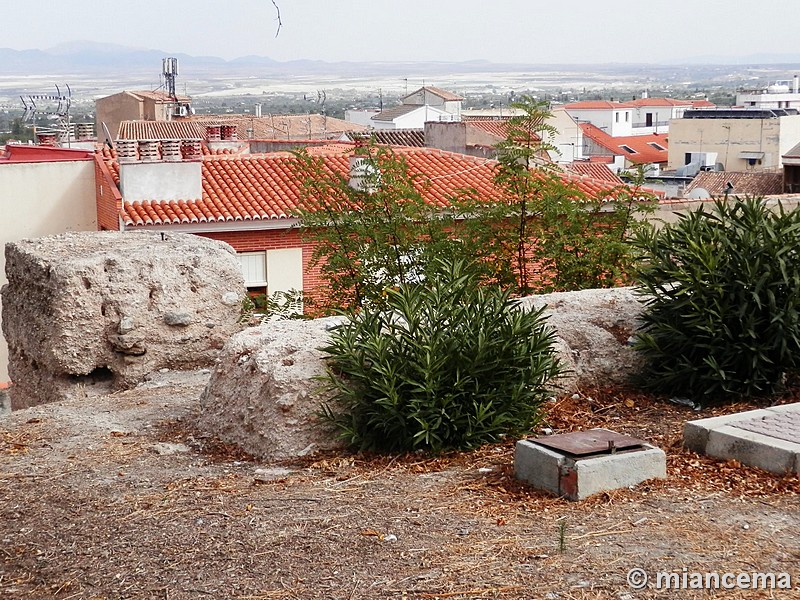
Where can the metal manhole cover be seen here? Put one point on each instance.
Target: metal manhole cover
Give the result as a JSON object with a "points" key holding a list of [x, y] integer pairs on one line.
{"points": [[585, 443]]}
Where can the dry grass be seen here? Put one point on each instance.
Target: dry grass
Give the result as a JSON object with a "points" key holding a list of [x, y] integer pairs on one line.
{"points": [[95, 513]]}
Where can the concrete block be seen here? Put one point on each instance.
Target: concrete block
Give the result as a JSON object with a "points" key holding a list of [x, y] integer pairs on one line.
{"points": [[579, 478], [695, 433], [538, 466], [754, 449], [620, 470]]}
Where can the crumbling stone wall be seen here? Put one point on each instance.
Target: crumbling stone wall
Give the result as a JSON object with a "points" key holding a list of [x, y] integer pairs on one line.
{"points": [[91, 312], [264, 393]]}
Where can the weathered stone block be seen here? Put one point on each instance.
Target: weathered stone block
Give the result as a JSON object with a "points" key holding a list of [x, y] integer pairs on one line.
{"points": [[96, 311], [264, 396]]}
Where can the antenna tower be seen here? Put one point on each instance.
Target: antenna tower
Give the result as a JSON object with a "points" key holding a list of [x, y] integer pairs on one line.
{"points": [[170, 71]]}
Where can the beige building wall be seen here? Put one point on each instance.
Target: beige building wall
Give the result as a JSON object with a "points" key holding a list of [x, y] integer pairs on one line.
{"points": [[43, 198], [729, 138]]}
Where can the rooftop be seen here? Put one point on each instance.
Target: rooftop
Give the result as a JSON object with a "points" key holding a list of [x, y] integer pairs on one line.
{"points": [[266, 187], [638, 149]]}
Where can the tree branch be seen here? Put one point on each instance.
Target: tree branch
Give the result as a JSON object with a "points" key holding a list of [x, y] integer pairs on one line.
{"points": [[278, 13]]}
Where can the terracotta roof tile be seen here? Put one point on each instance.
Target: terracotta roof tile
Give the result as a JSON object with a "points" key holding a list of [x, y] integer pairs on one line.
{"points": [[281, 127], [752, 183], [659, 102], [596, 170], [395, 137], [265, 186], [495, 127], [646, 149]]}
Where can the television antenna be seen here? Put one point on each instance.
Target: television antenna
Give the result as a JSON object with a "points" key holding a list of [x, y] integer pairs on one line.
{"points": [[57, 105]]}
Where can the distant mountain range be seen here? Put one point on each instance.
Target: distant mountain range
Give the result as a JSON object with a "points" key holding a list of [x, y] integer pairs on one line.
{"points": [[91, 57]]}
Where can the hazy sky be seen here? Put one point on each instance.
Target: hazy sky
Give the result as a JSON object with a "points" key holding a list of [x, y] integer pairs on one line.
{"points": [[525, 31]]}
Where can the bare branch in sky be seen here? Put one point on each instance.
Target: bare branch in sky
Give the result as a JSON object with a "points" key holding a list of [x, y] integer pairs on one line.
{"points": [[278, 12]]}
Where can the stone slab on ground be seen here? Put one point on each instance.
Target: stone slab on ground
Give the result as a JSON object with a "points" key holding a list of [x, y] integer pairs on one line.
{"points": [[767, 438], [578, 478]]}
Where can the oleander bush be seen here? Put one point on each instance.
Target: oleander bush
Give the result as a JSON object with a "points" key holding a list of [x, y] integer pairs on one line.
{"points": [[445, 363], [722, 295]]}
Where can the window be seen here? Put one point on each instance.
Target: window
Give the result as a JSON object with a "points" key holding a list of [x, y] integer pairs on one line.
{"points": [[627, 116], [648, 119], [616, 117], [275, 270], [628, 149], [254, 268], [656, 146]]}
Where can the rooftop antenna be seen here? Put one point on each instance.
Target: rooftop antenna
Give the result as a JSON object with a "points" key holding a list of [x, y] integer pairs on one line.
{"points": [[57, 104], [169, 67]]}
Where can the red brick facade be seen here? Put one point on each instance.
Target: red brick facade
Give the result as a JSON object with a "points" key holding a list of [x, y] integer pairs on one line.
{"points": [[109, 200], [273, 239]]}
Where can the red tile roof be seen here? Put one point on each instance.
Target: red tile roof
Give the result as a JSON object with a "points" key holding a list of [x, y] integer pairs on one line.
{"points": [[161, 130], [645, 147], [659, 102], [294, 127], [597, 105], [266, 187], [394, 137], [753, 183], [596, 170], [443, 94], [495, 127]]}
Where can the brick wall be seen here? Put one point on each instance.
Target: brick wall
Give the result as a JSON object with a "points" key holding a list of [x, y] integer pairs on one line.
{"points": [[274, 239]]}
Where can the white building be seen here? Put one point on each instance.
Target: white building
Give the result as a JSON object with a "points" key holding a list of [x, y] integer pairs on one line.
{"points": [[615, 118], [782, 94], [417, 108], [43, 191]]}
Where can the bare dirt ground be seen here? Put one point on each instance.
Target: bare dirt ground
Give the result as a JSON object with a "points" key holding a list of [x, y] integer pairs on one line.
{"points": [[119, 497]]}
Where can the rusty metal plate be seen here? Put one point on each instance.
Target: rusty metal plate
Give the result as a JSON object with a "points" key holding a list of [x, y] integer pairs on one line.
{"points": [[585, 443]]}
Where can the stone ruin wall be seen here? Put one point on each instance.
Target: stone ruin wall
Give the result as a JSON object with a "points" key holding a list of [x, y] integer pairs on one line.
{"points": [[93, 312]]}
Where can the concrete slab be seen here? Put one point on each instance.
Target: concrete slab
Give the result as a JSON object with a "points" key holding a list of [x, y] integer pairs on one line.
{"points": [[766, 438]]}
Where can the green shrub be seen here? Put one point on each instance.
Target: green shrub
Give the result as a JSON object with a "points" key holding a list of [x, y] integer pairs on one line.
{"points": [[722, 293], [445, 364]]}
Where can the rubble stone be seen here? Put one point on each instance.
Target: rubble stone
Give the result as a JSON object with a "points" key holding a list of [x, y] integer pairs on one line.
{"points": [[264, 393], [594, 329], [91, 312]]}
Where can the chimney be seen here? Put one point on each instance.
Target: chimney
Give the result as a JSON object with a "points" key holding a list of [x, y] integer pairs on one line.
{"points": [[171, 150], [126, 151], [160, 174], [191, 149], [46, 139], [258, 109], [85, 131], [213, 133], [228, 133], [149, 151]]}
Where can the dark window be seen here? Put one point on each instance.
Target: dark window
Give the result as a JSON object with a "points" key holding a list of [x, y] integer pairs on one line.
{"points": [[648, 119]]}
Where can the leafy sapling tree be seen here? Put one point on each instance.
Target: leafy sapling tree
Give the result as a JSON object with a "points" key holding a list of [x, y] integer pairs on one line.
{"points": [[372, 231], [542, 233]]}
